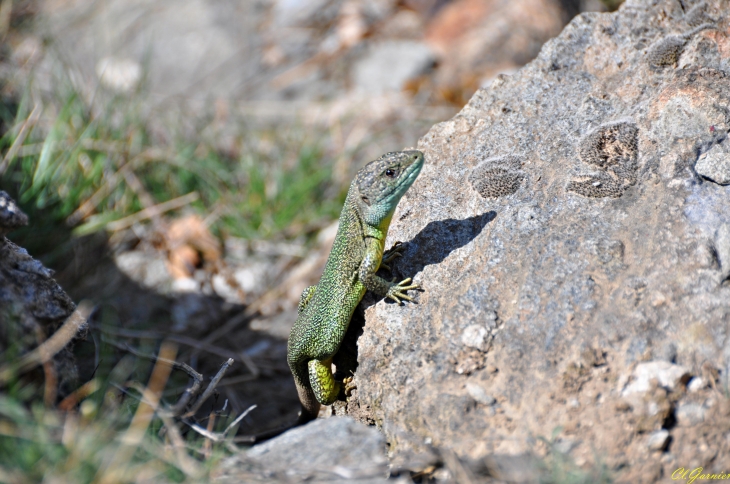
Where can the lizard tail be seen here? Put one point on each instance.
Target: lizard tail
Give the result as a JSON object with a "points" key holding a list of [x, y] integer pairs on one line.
{"points": [[310, 405], [309, 412]]}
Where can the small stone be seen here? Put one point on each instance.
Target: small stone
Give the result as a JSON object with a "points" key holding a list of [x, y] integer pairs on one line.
{"points": [[715, 165], [479, 394], [564, 446], [658, 440], [120, 75], [658, 299], [475, 336], [668, 375], [185, 284], [695, 384], [690, 414]]}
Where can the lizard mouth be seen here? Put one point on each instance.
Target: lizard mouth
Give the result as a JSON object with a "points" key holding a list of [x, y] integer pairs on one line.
{"points": [[410, 175], [407, 178]]}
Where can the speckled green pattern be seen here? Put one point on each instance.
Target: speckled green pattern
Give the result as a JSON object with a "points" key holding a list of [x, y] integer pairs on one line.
{"points": [[324, 386], [325, 310]]}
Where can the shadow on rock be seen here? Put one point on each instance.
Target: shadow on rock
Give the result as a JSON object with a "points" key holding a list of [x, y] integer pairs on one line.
{"points": [[439, 238]]}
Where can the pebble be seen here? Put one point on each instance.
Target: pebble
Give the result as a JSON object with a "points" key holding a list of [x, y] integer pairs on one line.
{"points": [[695, 384], [669, 376], [479, 394], [658, 440], [715, 165], [690, 414]]}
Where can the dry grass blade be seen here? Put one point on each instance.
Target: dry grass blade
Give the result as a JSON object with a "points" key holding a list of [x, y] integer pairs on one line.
{"points": [[6, 9], [50, 390], [221, 436], [197, 344], [79, 394], [189, 393], [51, 346], [153, 211], [174, 364], [208, 444], [24, 130], [88, 206], [183, 461], [116, 470]]}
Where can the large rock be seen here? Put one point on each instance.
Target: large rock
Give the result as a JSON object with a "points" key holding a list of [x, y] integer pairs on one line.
{"points": [[325, 450], [561, 235], [32, 307]]}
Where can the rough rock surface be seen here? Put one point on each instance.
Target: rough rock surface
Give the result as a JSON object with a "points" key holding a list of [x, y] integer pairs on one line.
{"points": [[546, 298], [332, 449], [32, 306]]}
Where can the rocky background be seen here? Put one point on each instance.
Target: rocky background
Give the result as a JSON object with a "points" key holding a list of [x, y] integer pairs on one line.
{"points": [[570, 228], [237, 79]]}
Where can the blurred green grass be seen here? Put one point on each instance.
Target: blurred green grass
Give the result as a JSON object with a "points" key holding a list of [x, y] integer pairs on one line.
{"points": [[76, 167], [41, 444], [84, 171]]}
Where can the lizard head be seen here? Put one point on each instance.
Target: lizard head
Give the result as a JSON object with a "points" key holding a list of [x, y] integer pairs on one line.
{"points": [[382, 183]]}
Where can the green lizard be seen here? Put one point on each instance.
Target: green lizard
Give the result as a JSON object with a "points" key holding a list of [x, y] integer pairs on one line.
{"points": [[325, 310]]}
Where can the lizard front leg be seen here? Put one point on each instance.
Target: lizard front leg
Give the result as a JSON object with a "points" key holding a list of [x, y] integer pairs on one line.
{"points": [[376, 284], [391, 254]]}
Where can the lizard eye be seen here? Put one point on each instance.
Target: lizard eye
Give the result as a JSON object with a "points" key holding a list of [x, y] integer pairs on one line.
{"points": [[390, 173], [366, 200]]}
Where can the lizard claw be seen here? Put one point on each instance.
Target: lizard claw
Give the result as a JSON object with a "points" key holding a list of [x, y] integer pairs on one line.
{"points": [[391, 254], [397, 291], [349, 385]]}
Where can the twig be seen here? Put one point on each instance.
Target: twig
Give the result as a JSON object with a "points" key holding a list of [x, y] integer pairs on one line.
{"points": [[211, 387], [138, 188], [189, 392], [153, 211], [220, 436], [51, 387], [239, 418], [177, 338], [175, 365], [185, 340], [45, 352]]}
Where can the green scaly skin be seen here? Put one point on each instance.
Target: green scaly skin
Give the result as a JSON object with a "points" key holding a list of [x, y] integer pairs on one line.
{"points": [[325, 310]]}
